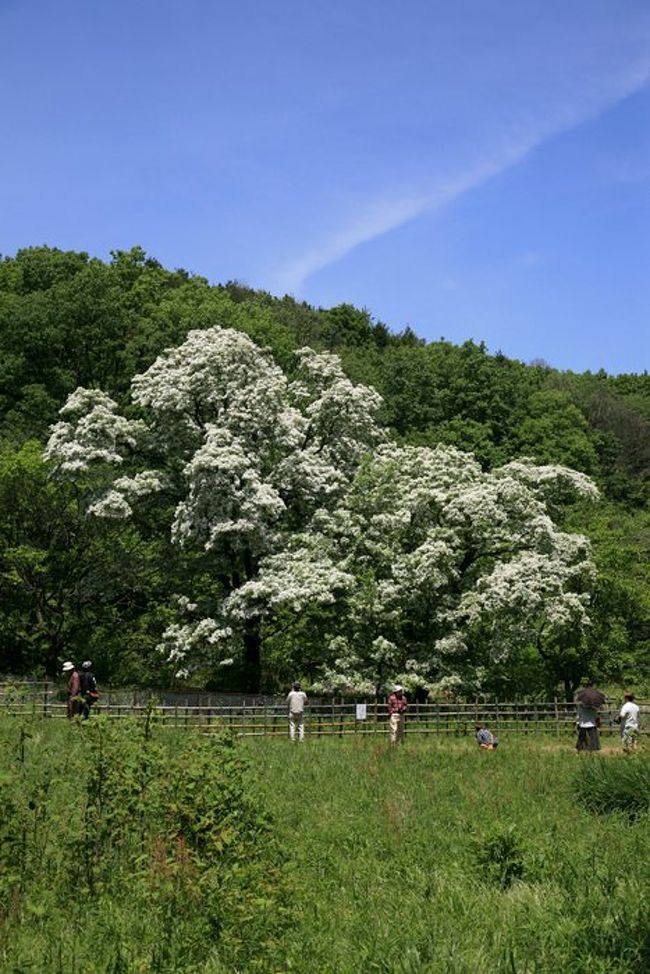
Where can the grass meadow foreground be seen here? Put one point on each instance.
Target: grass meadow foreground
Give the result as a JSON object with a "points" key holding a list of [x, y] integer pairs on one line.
{"points": [[129, 848], [439, 858]]}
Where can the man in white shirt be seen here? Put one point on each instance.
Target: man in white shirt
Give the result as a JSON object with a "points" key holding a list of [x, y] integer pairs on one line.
{"points": [[296, 700], [629, 719]]}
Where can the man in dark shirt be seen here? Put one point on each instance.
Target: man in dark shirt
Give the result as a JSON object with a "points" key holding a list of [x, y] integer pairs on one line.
{"points": [[88, 688]]}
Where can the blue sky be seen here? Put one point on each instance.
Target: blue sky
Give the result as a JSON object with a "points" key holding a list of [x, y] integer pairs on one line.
{"points": [[475, 168]]}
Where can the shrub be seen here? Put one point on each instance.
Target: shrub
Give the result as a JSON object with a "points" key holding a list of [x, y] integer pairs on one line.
{"points": [[500, 857], [125, 851]]}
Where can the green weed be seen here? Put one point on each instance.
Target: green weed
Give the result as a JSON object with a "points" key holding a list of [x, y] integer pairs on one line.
{"points": [[123, 850], [500, 856], [621, 785]]}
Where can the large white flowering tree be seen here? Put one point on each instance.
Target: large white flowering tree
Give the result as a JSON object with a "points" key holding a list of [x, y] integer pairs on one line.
{"points": [[431, 567], [246, 456]]}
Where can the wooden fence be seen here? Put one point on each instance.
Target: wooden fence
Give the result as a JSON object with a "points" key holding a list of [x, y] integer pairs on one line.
{"points": [[324, 718]]}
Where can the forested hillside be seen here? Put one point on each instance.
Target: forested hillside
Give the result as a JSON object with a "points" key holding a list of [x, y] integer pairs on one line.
{"points": [[75, 586]]}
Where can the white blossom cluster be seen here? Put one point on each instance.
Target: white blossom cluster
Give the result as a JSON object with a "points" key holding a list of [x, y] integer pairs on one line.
{"points": [[190, 641], [344, 676], [91, 432], [296, 577], [552, 481], [116, 502], [226, 496]]}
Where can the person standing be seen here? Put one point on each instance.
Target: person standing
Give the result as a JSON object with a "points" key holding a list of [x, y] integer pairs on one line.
{"points": [[296, 700], [88, 688], [74, 687], [589, 700], [397, 707], [629, 720]]}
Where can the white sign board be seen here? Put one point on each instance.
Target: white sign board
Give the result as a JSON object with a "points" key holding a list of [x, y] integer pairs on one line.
{"points": [[361, 711]]}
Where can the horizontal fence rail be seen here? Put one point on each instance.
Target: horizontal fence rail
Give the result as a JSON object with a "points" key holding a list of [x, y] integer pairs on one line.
{"points": [[322, 718]]}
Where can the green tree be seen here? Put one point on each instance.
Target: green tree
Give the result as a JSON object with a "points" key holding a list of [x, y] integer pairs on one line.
{"points": [[71, 585], [553, 430]]}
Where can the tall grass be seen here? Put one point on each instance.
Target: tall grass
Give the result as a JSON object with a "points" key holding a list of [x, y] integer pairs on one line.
{"points": [[615, 786], [128, 849], [438, 859]]}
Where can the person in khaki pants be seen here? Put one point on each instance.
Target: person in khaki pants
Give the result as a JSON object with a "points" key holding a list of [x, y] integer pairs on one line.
{"points": [[296, 699], [397, 706]]}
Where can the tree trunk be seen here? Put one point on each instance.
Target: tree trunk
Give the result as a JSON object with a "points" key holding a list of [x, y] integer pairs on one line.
{"points": [[53, 654], [252, 673]]}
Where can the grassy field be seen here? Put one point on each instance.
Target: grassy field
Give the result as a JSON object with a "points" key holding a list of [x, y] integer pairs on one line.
{"points": [[128, 849], [439, 858]]}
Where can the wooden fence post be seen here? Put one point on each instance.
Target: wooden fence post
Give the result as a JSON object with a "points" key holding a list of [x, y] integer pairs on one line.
{"points": [[329, 718]]}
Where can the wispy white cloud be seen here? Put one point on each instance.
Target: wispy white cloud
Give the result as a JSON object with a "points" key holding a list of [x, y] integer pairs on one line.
{"points": [[382, 215]]}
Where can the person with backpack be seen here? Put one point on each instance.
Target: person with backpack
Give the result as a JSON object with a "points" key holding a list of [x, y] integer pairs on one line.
{"points": [[87, 689]]}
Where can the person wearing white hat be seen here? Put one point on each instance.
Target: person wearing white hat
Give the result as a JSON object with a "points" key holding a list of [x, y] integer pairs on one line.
{"points": [[397, 707], [74, 687]]}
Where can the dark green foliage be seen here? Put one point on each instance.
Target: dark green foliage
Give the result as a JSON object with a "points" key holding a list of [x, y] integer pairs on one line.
{"points": [[72, 584], [122, 851], [617, 647], [555, 431], [67, 320], [615, 786]]}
